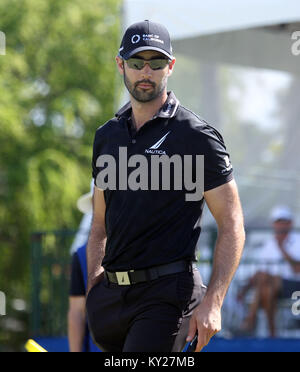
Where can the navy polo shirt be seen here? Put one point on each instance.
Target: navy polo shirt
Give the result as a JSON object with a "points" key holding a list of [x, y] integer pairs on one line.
{"points": [[153, 227]]}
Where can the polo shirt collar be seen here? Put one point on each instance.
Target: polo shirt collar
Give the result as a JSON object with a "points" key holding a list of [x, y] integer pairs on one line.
{"points": [[167, 111]]}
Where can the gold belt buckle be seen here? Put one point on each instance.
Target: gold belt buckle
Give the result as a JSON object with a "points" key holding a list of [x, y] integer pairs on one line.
{"points": [[123, 278]]}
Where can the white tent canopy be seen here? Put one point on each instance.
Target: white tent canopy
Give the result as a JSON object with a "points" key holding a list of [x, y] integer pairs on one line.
{"points": [[253, 33], [192, 18]]}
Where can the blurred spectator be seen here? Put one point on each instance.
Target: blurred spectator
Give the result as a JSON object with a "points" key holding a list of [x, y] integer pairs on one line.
{"points": [[279, 274], [78, 332]]}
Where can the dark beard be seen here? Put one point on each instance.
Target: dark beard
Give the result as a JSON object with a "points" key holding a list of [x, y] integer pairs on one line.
{"points": [[141, 95]]}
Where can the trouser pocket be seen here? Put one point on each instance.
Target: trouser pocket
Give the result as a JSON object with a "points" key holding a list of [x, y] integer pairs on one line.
{"points": [[190, 290], [184, 289]]}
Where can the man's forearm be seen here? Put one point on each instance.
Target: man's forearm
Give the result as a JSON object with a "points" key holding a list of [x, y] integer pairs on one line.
{"points": [[228, 252], [95, 254]]}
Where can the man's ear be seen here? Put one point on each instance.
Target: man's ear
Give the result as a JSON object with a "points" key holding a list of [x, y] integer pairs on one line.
{"points": [[120, 65], [171, 66]]}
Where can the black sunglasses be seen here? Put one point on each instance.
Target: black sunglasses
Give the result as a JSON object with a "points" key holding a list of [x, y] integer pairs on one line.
{"points": [[155, 63]]}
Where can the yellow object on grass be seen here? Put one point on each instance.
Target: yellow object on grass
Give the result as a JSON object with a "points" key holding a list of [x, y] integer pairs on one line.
{"points": [[33, 347]]}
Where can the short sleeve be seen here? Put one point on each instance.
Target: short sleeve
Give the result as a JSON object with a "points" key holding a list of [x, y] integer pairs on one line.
{"points": [[77, 287], [217, 165]]}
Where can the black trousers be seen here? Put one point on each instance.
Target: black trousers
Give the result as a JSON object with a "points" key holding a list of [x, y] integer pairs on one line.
{"points": [[145, 317]]}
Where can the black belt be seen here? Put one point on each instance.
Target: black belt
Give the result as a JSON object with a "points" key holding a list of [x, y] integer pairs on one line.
{"points": [[138, 276]]}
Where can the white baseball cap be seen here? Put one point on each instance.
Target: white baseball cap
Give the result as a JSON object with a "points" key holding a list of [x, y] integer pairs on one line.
{"points": [[85, 202], [281, 212]]}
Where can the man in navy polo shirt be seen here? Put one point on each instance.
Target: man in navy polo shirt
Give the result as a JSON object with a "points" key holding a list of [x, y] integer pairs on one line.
{"points": [[144, 292]]}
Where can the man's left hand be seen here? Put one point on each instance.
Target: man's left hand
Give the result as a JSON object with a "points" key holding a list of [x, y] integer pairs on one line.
{"points": [[206, 320]]}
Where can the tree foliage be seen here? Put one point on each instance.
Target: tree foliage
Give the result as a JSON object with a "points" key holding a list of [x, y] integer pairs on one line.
{"points": [[58, 83]]}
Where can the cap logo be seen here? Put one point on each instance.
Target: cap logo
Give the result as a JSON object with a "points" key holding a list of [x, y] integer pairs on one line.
{"points": [[152, 37], [135, 39]]}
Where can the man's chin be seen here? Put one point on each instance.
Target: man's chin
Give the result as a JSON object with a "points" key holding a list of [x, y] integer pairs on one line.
{"points": [[143, 98]]}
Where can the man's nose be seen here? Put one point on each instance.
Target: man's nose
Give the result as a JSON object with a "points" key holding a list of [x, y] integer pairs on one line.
{"points": [[146, 71]]}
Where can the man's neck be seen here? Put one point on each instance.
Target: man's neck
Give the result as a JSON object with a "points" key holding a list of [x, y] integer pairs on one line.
{"points": [[144, 111]]}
